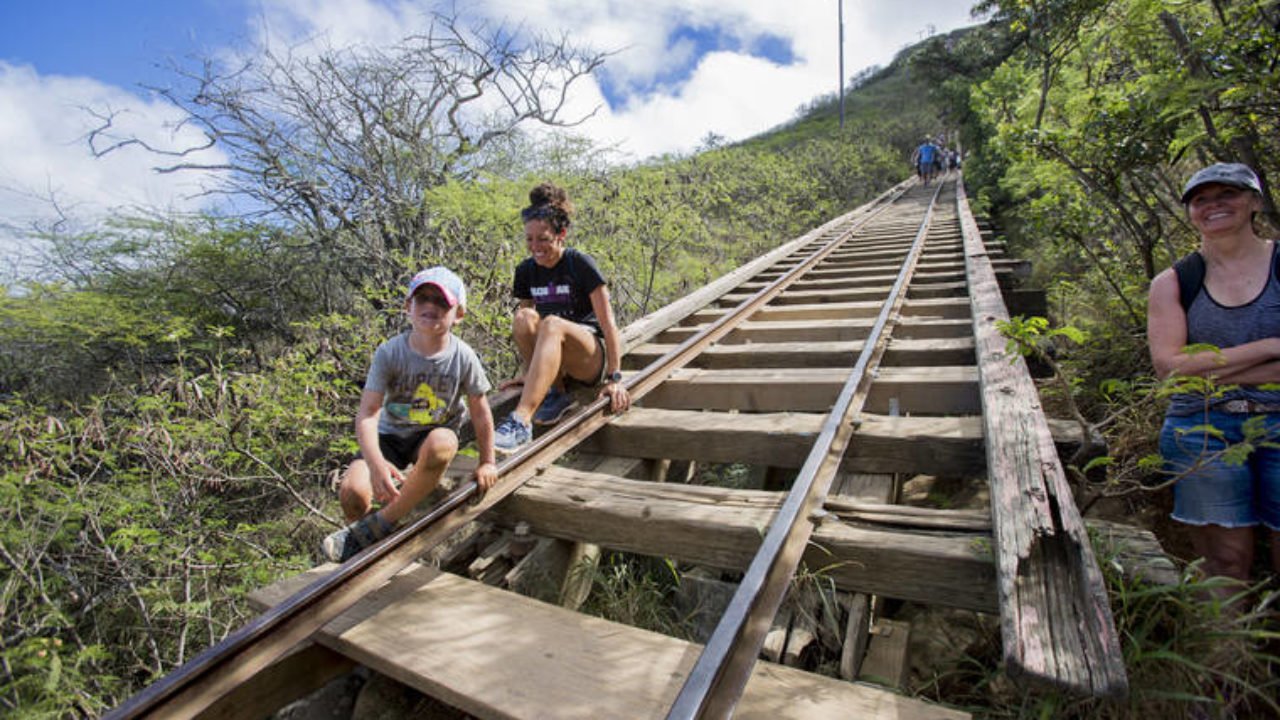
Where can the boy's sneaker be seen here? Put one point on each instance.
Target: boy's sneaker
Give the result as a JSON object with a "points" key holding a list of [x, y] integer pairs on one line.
{"points": [[554, 407], [511, 435], [345, 543]]}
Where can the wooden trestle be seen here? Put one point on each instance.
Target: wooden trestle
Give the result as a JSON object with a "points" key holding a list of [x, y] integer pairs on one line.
{"points": [[864, 348]]}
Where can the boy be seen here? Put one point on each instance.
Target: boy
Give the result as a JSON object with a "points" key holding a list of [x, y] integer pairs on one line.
{"points": [[409, 414]]}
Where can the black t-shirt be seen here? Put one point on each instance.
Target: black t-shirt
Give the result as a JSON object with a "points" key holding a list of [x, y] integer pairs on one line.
{"points": [[564, 290]]}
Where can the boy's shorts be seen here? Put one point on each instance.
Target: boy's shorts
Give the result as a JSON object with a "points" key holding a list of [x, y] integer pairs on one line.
{"points": [[401, 450], [1215, 492]]}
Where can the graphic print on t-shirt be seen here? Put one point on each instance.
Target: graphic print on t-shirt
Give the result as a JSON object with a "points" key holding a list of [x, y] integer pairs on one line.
{"points": [[423, 408], [552, 293], [426, 407]]}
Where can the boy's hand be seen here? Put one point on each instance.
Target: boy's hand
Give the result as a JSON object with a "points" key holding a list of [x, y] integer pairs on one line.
{"points": [[486, 475], [385, 480], [513, 382]]}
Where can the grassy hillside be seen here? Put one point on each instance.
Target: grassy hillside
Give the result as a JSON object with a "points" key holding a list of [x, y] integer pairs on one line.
{"points": [[176, 400]]}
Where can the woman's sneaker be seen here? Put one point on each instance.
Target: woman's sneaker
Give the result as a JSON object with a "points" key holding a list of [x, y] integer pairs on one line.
{"points": [[511, 435], [343, 545], [554, 407]]}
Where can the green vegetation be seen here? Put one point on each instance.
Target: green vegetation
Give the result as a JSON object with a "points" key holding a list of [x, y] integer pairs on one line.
{"points": [[176, 395]]}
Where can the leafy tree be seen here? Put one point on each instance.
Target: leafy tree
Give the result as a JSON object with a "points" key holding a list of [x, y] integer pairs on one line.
{"points": [[346, 144]]}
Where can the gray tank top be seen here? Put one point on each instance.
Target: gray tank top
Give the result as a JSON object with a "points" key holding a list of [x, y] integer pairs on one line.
{"points": [[1211, 323]]}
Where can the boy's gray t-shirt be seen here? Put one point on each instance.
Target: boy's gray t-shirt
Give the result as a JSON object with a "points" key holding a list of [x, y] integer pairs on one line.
{"points": [[421, 392]]}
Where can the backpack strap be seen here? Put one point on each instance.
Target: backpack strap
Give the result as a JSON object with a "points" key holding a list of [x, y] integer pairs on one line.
{"points": [[1190, 270]]}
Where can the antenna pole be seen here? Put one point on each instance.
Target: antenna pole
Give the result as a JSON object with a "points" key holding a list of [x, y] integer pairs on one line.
{"points": [[840, 14]]}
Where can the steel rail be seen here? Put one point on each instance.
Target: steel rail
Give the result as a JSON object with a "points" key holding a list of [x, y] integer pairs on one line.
{"points": [[197, 685], [720, 674]]}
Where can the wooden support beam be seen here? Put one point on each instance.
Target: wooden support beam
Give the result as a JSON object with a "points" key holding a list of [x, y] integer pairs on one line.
{"points": [[945, 308], [722, 528], [583, 558], [934, 445], [1055, 616], [894, 551], [920, 391], [946, 351], [824, 331], [886, 659], [856, 636]]}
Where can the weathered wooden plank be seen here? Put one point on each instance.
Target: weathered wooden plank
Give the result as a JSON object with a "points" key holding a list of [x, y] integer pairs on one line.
{"points": [[889, 550], [495, 654], [825, 330], [944, 308], [934, 351], [934, 445], [847, 281], [919, 391], [722, 528], [939, 290], [886, 659], [857, 635], [879, 488], [929, 262], [583, 558], [803, 297], [1055, 616]]}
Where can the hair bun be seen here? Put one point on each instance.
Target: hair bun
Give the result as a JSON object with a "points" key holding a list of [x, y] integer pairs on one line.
{"points": [[550, 194]]}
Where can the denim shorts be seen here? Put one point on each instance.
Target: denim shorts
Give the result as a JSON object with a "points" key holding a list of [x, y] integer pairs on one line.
{"points": [[1218, 492]]}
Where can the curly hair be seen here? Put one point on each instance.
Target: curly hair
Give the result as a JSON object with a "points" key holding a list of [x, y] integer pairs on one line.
{"points": [[549, 202]]}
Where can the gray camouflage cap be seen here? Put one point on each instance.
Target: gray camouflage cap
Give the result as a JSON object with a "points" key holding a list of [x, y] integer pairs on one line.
{"points": [[1233, 174]]}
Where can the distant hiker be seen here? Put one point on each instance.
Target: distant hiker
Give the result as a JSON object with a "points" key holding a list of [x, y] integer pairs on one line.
{"points": [[564, 328], [410, 411], [924, 159], [1226, 295]]}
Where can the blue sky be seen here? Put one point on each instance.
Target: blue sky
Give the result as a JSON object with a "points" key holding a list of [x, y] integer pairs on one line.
{"points": [[120, 42], [680, 69]]}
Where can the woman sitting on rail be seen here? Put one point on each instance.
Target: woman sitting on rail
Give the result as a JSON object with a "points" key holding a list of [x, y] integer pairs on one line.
{"points": [[1226, 295], [564, 327]]}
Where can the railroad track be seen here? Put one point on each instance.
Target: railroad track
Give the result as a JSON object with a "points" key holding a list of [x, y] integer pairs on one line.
{"points": [[864, 349]]}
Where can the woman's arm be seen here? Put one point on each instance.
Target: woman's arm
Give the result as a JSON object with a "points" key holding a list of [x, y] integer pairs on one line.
{"points": [[619, 399], [1267, 372], [1167, 338], [612, 337]]}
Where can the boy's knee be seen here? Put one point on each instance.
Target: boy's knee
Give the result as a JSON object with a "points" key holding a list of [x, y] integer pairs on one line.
{"points": [[439, 447], [356, 500]]}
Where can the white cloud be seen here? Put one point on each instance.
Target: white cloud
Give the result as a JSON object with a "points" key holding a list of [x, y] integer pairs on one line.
{"points": [[731, 94], [336, 23], [44, 154], [675, 98]]}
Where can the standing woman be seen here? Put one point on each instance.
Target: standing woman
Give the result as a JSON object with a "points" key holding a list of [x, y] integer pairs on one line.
{"points": [[1236, 308], [564, 327]]}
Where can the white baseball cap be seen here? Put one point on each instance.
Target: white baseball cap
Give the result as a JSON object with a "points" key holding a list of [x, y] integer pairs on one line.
{"points": [[444, 279]]}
